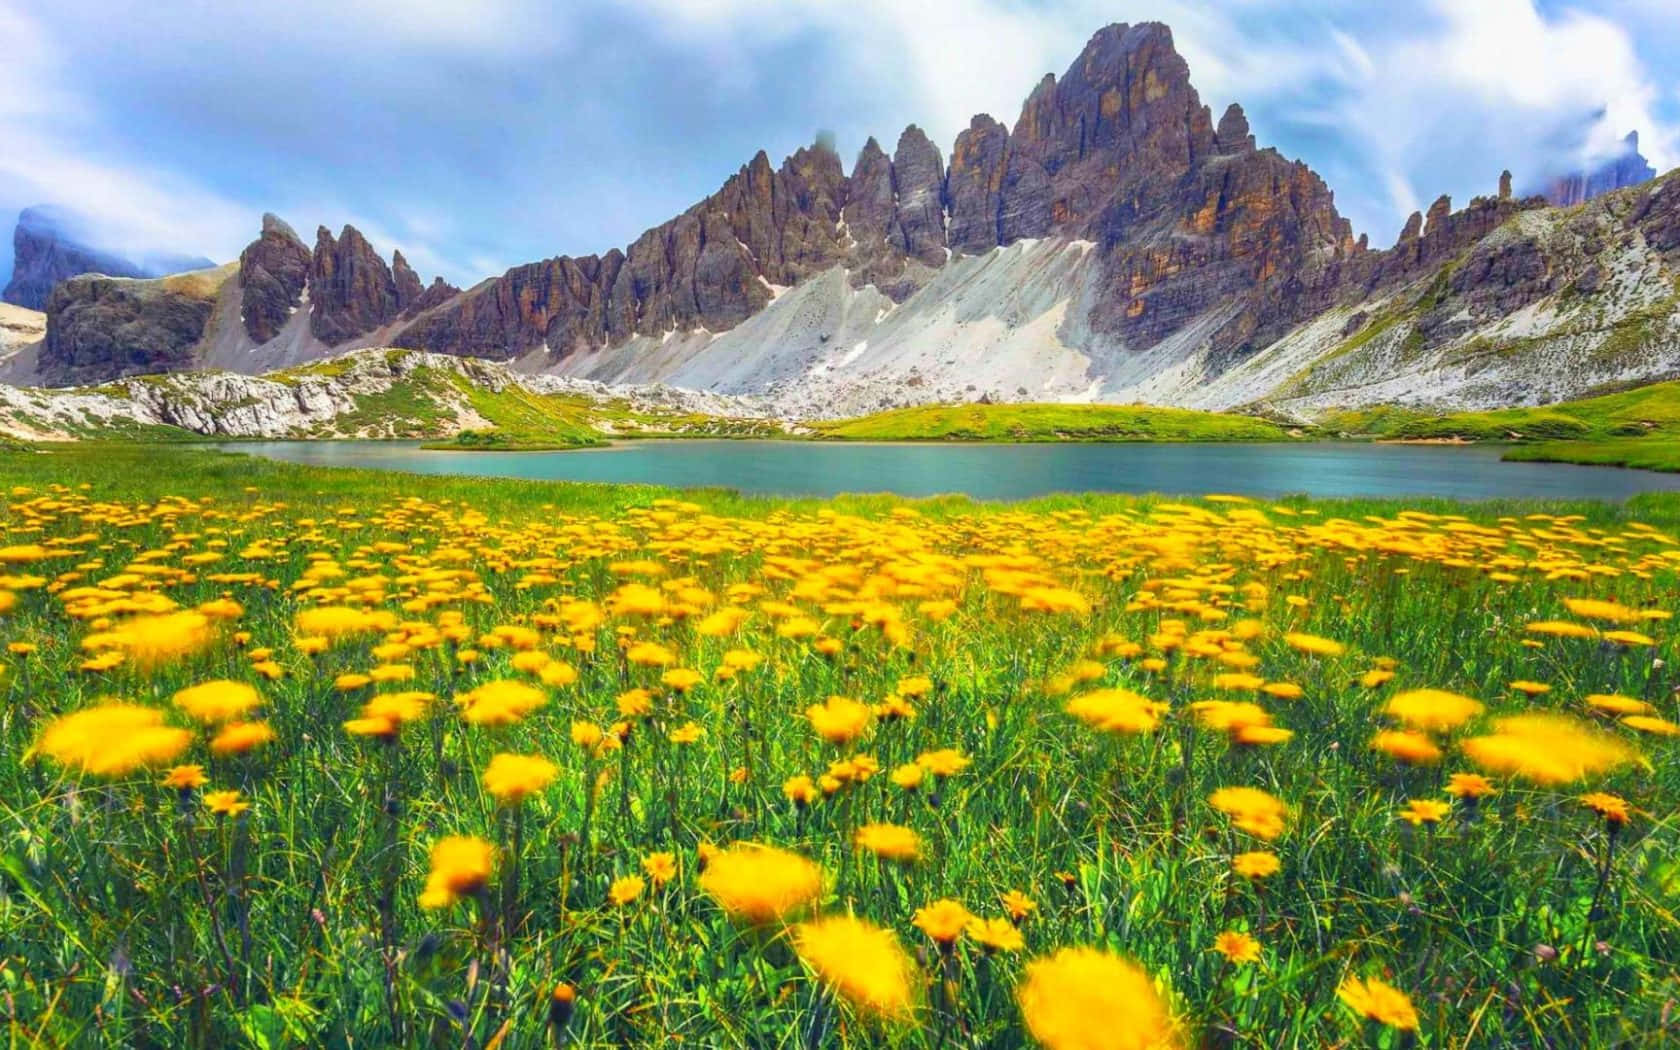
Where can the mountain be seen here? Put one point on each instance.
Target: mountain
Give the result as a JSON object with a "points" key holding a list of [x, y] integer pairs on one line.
{"points": [[1117, 243], [51, 244], [1627, 168], [281, 304]]}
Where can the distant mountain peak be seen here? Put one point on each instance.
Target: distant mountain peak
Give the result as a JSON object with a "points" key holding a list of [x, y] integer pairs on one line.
{"points": [[53, 243], [1627, 168]]}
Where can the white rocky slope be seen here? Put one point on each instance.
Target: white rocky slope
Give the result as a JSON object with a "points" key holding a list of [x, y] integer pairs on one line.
{"points": [[21, 330], [1006, 324], [339, 399]]}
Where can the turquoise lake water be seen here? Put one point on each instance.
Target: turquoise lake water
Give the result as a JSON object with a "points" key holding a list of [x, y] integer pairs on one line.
{"points": [[1000, 472]]}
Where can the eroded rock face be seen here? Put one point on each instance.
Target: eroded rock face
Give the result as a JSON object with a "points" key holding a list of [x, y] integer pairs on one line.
{"points": [[273, 273], [100, 328], [919, 190], [974, 186], [103, 329], [711, 267], [406, 281], [1193, 225], [351, 290]]}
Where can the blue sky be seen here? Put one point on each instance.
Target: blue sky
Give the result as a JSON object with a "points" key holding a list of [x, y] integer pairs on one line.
{"points": [[477, 135]]}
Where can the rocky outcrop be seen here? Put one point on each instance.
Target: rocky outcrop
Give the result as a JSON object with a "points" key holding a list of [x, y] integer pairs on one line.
{"points": [[351, 290], [273, 273], [1232, 135], [247, 315], [1627, 168], [100, 328], [49, 246], [974, 186], [406, 283], [711, 267], [918, 175]]}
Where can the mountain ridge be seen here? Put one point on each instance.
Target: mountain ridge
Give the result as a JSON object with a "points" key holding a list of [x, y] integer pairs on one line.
{"points": [[1116, 243]]}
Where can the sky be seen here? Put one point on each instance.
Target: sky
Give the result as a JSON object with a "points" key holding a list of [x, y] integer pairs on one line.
{"points": [[477, 136]]}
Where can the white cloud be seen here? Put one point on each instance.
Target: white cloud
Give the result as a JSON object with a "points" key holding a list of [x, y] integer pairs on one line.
{"points": [[45, 159], [1466, 89]]}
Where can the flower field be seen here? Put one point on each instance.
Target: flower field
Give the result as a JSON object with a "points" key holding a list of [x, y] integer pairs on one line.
{"points": [[295, 758]]}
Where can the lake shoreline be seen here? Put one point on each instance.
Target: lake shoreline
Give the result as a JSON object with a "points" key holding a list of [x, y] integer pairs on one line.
{"points": [[1008, 471]]}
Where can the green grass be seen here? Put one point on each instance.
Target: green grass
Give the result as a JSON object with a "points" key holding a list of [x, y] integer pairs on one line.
{"points": [[1617, 428], [1651, 453], [1049, 422], [134, 917]]}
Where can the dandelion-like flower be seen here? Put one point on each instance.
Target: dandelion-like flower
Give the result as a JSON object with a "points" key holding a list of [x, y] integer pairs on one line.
{"points": [[1547, 749], [839, 719], [889, 842], [995, 935], [1256, 864], [759, 884], [511, 779], [460, 867], [1252, 810], [1421, 811], [238, 738], [225, 803], [943, 921], [1404, 745], [1314, 645], [862, 962], [1018, 905], [1116, 711], [1237, 947], [626, 889], [112, 740], [1379, 1001], [1089, 999], [660, 867], [500, 703], [1432, 709], [217, 701], [1613, 808], [1469, 786]]}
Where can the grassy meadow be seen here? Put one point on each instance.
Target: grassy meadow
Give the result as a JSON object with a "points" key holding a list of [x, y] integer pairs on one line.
{"points": [[296, 757], [1630, 428], [1049, 422]]}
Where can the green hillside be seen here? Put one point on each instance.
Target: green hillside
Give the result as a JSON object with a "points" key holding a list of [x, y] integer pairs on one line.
{"points": [[1632, 428], [1049, 422]]}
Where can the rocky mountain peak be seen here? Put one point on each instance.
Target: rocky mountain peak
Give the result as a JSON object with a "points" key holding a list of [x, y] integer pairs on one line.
{"points": [[1437, 215], [274, 225], [273, 273], [406, 282], [351, 290], [1232, 135], [1628, 167]]}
